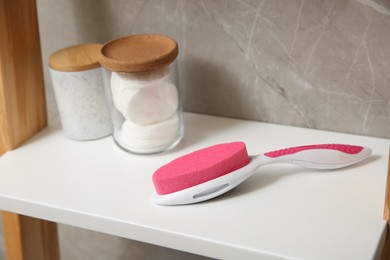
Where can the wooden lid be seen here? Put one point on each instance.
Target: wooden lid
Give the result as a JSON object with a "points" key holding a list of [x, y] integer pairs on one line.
{"points": [[136, 53], [76, 58]]}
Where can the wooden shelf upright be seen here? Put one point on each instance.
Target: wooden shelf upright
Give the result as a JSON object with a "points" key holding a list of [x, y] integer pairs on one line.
{"points": [[22, 114]]}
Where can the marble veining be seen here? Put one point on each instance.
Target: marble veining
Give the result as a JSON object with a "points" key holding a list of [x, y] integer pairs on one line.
{"points": [[318, 57], [318, 64]]}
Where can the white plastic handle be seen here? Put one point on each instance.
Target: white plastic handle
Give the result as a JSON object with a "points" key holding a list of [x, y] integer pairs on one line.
{"points": [[320, 156]]}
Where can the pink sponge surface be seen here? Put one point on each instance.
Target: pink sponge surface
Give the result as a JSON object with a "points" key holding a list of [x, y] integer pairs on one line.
{"points": [[200, 166]]}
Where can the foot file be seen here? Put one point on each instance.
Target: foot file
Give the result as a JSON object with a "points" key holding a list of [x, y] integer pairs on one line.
{"points": [[212, 171]]}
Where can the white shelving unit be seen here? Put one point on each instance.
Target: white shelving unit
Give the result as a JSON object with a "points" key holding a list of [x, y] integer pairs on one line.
{"points": [[282, 211]]}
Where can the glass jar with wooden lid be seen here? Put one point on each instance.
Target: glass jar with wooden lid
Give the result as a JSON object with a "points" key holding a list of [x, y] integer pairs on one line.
{"points": [[141, 80]]}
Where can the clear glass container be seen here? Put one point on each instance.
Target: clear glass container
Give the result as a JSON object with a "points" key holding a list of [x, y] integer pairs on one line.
{"points": [[142, 87]]}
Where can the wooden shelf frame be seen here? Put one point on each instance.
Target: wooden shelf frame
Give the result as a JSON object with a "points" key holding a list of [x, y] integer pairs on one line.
{"points": [[22, 114], [386, 216]]}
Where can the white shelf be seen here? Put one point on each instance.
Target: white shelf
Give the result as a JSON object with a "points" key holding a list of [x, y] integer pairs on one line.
{"points": [[283, 211]]}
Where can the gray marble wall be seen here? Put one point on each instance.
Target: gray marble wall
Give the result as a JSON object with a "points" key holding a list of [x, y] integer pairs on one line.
{"points": [[320, 64]]}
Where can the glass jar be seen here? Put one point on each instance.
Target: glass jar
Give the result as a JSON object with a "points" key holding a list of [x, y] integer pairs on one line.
{"points": [[142, 88]]}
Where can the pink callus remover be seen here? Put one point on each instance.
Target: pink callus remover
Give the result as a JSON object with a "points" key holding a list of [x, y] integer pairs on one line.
{"points": [[212, 171]]}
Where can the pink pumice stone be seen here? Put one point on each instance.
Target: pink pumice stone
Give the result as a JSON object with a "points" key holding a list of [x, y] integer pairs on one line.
{"points": [[200, 166]]}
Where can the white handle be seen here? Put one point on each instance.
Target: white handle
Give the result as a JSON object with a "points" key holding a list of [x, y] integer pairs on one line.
{"points": [[319, 156]]}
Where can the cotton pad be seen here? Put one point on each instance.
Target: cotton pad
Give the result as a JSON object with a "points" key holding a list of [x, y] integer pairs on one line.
{"points": [[153, 104], [121, 93], [144, 78], [148, 138], [146, 102]]}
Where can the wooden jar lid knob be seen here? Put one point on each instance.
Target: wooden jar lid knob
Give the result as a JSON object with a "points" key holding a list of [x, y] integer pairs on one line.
{"points": [[76, 58], [137, 53]]}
